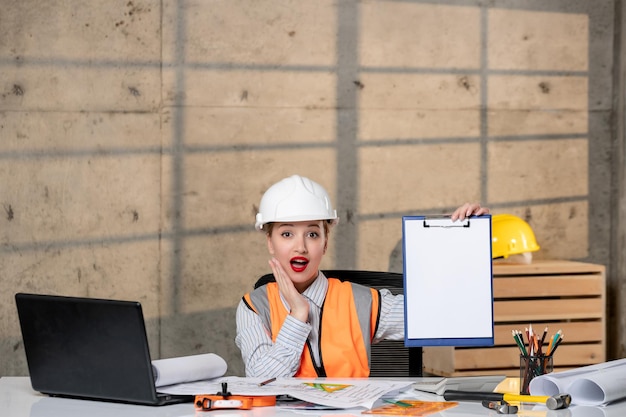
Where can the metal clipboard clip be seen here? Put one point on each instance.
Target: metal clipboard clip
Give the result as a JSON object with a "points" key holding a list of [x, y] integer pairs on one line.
{"points": [[444, 222]]}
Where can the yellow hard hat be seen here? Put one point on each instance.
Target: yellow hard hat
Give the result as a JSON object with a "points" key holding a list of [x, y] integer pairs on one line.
{"points": [[511, 235]]}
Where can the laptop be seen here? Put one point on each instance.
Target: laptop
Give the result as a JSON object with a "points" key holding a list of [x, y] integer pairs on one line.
{"points": [[89, 348]]}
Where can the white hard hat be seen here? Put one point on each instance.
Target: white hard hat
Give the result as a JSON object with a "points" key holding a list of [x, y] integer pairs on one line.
{"points": [[294, 199]]}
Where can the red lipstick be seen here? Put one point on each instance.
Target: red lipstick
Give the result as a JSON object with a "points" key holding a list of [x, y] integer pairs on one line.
{"points": [[299, 263]]}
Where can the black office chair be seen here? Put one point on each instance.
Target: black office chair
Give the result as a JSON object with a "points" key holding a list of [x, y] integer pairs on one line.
{"points": [[390, 358]]}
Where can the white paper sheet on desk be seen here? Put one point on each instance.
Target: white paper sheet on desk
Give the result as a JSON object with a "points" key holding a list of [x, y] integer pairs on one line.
{"points": [[188, 368], [361, 392], [598, 384]]}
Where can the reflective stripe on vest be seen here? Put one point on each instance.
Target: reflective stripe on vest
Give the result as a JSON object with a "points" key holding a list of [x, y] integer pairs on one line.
{"points": [[349, 319]]}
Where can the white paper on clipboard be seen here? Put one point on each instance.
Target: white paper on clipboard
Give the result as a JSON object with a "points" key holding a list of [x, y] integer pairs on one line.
{"points": [[448, 286]]}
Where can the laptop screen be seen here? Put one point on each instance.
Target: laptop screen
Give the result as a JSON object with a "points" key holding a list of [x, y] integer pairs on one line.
{"points": [[87, 348]]}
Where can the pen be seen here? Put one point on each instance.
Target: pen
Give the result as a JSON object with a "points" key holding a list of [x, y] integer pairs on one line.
{"points": [[267, 382], [518, 341], [556, 345], [543, 336], [555, 339]]}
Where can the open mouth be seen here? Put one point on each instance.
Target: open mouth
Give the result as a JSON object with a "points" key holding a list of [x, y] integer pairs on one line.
{"points": [[299, 263]]}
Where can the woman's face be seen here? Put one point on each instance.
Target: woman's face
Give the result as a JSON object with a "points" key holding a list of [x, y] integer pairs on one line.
{"points": [[299, 248]]}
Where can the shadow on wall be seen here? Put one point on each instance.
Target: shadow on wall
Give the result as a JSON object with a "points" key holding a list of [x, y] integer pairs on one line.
{"points": [[395, 259], [209, 331]]}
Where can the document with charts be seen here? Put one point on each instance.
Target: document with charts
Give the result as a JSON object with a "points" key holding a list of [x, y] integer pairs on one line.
{"points": [[331, 392]]}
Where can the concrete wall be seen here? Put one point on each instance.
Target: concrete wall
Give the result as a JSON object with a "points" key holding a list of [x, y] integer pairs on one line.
{"points": [[137, 137]]}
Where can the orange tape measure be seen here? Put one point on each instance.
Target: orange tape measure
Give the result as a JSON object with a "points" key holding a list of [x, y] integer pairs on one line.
{"points": [[241, 402], [224, 400]]}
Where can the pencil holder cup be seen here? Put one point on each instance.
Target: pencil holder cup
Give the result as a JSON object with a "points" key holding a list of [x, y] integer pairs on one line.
{"points": [[531, 367]]}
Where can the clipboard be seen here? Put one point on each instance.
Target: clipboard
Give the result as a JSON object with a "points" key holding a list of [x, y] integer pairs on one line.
{"points": [[448, 281]]}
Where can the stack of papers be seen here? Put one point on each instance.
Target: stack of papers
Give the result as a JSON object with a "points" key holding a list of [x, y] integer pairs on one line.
{"points": [[330, 392]]}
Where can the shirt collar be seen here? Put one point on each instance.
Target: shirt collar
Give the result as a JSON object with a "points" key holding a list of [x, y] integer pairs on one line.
{"points": [[317, 290]]}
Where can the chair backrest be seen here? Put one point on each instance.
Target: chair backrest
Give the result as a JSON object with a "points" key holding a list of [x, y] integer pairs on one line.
{"points": [[390, 358]]}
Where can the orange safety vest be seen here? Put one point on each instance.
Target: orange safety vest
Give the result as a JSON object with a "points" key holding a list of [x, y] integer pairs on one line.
{"points": [[349, 319]]}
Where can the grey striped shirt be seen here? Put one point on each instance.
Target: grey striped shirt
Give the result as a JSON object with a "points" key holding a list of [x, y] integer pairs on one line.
{"points": [[262, 357]]}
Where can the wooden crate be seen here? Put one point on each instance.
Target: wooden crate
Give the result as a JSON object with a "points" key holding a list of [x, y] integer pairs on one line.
{"points": [[558, 294]]}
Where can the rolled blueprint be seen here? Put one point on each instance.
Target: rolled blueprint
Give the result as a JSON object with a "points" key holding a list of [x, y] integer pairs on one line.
{"points": [[187, 369]]}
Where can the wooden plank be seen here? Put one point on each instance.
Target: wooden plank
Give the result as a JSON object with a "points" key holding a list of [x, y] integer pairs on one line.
{"points": [[511, 373], [548, 286], [574, 332], [438, 360], [539, 310], [508, 357], [448, 361], [544, 267]]}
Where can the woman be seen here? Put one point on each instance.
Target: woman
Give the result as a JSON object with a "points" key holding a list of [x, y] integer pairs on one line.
{"points": [[306, 324]]}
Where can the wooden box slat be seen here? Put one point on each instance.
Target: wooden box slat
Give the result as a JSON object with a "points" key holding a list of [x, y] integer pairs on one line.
{"points": [[548, 286], [547, 267], [539, 310], [508, 357], [438, 360], [575, 331]]}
